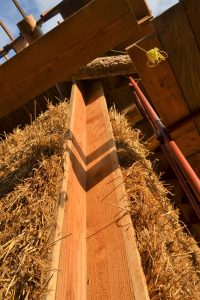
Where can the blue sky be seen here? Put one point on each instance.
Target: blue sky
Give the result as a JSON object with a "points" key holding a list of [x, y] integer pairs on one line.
{"points": [[10, 15], [158, 6]]}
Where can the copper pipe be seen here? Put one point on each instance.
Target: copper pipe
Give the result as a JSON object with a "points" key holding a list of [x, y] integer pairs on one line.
{"points": [[181, 178], [164, 137]]}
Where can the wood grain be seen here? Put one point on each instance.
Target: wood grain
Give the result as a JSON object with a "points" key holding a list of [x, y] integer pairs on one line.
{"points": [[67, 7], [159, 82], [187, 138], [96, 256], [114, 267], [72, 276], [81, 38], [140, 8], [183, 53], [194, 160], [192, 9], [166, 95]]}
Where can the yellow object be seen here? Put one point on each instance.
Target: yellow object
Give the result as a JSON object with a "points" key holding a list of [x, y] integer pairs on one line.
{"points": [[154, 56]]}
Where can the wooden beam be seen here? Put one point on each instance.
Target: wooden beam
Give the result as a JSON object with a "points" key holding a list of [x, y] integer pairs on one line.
{"points": [[97, 247], [67, 7], [183, 53], [166, 94], [159, 82], [29, 30], [194, 160], [72, 277], [78, 40], [111, 244], [140, 8], [192, 8], [187, 138]]}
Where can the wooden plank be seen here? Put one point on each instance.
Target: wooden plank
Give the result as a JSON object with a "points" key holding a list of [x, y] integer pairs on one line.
{"points": [[114, 267], [159, 82], [97, 248], [67, 7], [192, 8], [183, 52], [72, 275], [146, 26], [187, 138], [194, 160], [140, 8], [132, 113], [84, 36]]}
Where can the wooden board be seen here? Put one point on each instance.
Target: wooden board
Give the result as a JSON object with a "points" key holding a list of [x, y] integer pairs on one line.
{"points": [[97, 247], [72, 275], [67, 7], [183, 52], [140, 8], [192, 9], [188, 139], [114, 270], [194, 160], [84, 36], [159, 82], [165, 93]]}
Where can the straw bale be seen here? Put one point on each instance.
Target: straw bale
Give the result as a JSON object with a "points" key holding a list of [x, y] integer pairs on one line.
{"points": [[170, 256], [30, 167]]}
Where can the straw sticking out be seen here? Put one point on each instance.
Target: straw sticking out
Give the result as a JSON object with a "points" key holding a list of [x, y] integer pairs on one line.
{"points": [[170, 257], [30, 167]]}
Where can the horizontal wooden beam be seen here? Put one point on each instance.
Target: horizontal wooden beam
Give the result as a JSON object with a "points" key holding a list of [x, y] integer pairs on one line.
{"points": [[81, 38], [140, 8]]}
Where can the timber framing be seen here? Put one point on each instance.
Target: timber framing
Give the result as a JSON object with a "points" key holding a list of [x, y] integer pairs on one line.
{"points": [[92, 172], [64, 50]]}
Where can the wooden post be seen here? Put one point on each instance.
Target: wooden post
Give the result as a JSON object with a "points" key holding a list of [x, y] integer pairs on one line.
{"points": [[71, 45], [29, 30], [96, 255]]}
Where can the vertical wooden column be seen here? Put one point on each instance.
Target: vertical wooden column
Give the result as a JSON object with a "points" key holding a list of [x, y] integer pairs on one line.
{"points": [[71, 277], [113, 263], [29, 30], [95, 256]]}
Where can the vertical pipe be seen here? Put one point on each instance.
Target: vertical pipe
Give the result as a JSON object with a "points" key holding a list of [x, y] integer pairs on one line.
{"points": [[174, 150]]}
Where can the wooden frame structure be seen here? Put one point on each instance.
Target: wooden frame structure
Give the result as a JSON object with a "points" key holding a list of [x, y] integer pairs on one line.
{"points": [[173, 85], [86, 247], [91, 249], [64, 50]]}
